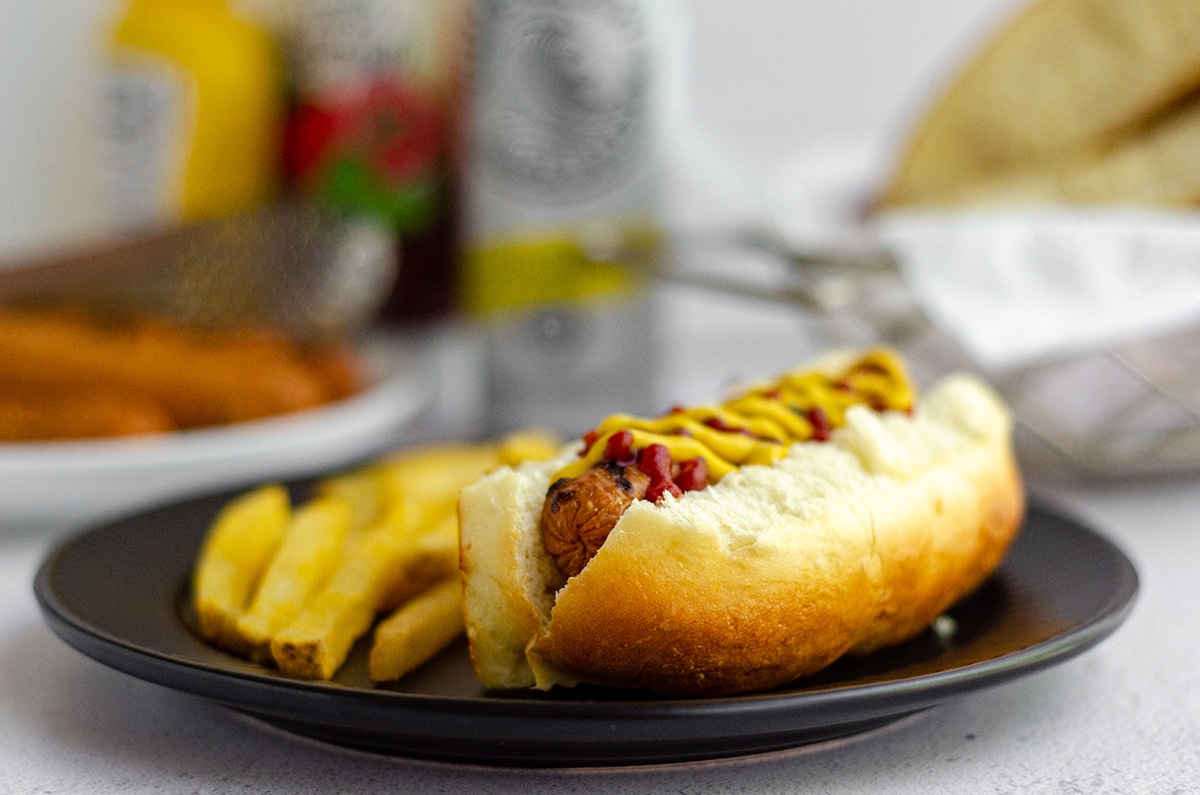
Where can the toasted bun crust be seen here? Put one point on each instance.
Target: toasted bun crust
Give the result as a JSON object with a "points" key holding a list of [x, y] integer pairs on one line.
{"points": [[843, 546]]}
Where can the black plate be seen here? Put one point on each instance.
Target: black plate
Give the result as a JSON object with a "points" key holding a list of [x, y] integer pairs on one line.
{"points": [[118, 594]]}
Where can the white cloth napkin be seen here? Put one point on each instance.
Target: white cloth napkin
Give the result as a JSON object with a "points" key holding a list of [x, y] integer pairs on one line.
{"points": [[1011, 286], [1017, 286]]}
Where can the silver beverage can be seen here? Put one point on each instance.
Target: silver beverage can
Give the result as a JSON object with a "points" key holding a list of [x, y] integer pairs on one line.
{"points": [[561, 179]]}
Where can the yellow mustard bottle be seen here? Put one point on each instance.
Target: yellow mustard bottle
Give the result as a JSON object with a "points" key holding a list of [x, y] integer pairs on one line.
{"points": [[194, 99]]}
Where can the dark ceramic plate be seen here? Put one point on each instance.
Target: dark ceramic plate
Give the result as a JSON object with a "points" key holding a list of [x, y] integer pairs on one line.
{"points": [[119, 594]]}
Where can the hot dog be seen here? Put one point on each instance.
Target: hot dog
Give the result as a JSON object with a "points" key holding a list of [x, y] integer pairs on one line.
{"points": [[738, 547]]}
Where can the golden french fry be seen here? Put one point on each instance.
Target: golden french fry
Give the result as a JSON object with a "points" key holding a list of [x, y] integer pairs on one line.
{"points": [[432, 557], [309, 553], [399, 538], [417, 631], [239, 545], [361, 489], [427, 480], [424, 484], [531, 444], [315, 644], [383, 566]]}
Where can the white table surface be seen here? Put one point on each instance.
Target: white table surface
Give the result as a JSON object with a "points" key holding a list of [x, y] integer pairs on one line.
{"points": [[1124, 717]]}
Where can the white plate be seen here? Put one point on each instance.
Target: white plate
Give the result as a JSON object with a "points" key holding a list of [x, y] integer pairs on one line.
{"points": [[55, 486]]}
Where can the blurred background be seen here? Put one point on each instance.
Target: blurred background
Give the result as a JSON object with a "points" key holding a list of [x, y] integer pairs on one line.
{"points": [[765, 78], [495, 214]]}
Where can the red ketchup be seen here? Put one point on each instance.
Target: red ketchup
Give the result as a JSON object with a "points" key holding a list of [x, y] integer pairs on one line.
{"points": [[692, 475], [619, 448], [655, 461], [821, 426], [718, 424]]}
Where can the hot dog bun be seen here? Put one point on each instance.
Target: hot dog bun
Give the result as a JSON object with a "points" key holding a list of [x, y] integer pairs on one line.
{"points": [[842, 546]]}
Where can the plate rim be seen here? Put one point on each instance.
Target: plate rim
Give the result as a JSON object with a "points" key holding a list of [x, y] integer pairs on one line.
{"points": [[915, 693]]}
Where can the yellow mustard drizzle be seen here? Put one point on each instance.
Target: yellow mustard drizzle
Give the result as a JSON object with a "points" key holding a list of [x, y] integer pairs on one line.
{"points": [[764, 421], [733, 447], [761, 427]]}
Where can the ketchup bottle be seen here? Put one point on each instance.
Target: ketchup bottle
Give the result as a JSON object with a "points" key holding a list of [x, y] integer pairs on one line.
{"points": [[370, 127]]}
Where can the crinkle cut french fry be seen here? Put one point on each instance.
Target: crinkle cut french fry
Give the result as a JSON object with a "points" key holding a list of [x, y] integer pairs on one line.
{"points": [[417, 631], [238, 547], [315, 644], [308, 555]]}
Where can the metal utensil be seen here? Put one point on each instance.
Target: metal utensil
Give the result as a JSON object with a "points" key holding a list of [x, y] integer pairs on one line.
{"points": [[826, 280], [293, 266], [1121, 410]]}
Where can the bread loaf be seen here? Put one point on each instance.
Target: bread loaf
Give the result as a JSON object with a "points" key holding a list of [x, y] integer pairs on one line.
{"points": [[1073, 100]]}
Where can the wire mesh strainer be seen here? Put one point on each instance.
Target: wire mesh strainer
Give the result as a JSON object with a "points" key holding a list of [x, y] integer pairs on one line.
{"points": [[293, 266]]}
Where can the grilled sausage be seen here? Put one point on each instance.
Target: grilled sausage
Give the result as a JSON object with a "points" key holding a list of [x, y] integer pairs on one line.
{"points": [[579, 512]]}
